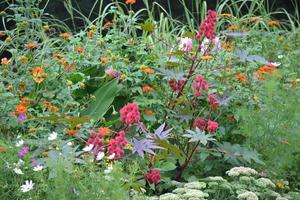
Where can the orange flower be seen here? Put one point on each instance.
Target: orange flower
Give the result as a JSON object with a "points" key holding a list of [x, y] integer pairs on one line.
{"points": [[70, 67], [254, 19], [148, 71], [20, 109], [104, 60], [24, 101], [23, 59], [149, 112], [206, 58], [55, 108], [273, 23], [2, 34], [265, 70], [104, 131], [65, 35], [47, 104], [90, 34], [241, 77], [72, 132], [38, 74], [79, 49], [232, 28], [31, 46], [108, 24], [130, 2], [59, 56], [5, 61], [147, 89]]}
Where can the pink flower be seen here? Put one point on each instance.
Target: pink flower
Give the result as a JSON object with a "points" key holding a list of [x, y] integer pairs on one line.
{"points": [[153, 176], [23, 152], [213, 101], [185, 44], [199, 84], [116, 144], [22, 117], [130, 113], [212, 126], [207, 27], [199, 123], [111, 73]]}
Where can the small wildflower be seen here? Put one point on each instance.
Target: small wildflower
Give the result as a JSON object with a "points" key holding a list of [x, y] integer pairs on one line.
{"points": [[27, 186], [130, 2], [20, 143], [8, 40], [38, 74], [273, 23], [38, 168], [88, 148], [23, 59], [65, 35], [81, 85], [149, 112], [212, 126], [254, 19], [104, 60], [79, 49], [232, 28], [52, 136], [130, 113], [108, 169], [71, 132], [23, 152], [31, 46], [69, 83], [5, 61], [185, 44], [123, 76], [100, 155], [206, 58], [147, 89], [152, 176], [111, 157], [241, 77], [18, 171]]}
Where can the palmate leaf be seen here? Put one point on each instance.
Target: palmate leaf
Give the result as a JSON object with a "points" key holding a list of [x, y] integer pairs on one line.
{"points": [[179, 154], [144, 146], [199, 135], [104, 98], [159, 133]]}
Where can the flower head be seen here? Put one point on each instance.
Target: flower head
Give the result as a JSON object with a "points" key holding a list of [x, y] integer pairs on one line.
{"points": [[38, 168], [130, 2], [52, 136], [153, 176], [207, 27], [185, 44], [23, 151], [27, 186], [130, 113], [200, 123], [212, 126], [38, 74]]}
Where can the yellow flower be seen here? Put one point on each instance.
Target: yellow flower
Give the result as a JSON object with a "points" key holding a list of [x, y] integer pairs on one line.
{"points": [[256, 98], [69, 83], [126, 60], [109, 52], [143, 67], [10, 88], [81, 85], [8, 39], [280, 184], [206, 58], [38, 74], [225, 15], [45, 154], [123, 76]]}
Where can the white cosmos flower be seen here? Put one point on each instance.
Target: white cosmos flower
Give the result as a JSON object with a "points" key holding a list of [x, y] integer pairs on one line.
{"points": [[38, 168], [100, 155], [18, 171], [276, 64], [20, 143], [52, 136], [111, 156], [88, 148], [108, 170], [27, 186]]}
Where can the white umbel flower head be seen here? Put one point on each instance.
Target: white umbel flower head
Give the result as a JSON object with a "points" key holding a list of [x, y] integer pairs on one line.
{"points": [[88, 148], [237, 171], [38, 168], [18, 171], [52, 136], [100, 155], [248, 196], [27, 186], [20, 143]]}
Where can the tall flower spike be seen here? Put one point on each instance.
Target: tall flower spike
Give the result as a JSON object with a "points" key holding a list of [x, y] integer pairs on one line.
{"points": [[207, 27]]}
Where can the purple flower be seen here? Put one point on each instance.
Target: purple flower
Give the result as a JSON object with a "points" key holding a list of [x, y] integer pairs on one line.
{"points": [[23, 151], [34, 162], [22, 117], [112, 73], [185, 44]]}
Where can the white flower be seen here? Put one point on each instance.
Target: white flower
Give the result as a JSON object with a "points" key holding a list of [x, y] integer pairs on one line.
{"points": [[18, 171], [248, 196], [38, 168], [108, 170], [27, 186], [111, 156], [20, 143], [88, 148], [237, 171], [276, 64], [100, 155], [70, 143], [52, 136], [280, 56]]}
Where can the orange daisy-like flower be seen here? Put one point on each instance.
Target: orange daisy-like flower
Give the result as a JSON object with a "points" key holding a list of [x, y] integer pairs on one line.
{"points": [[20, 109], [273, 23], [206, 58], [24, 101], [241, 77], [58, 56], [65, 35], [104, 60], [147, 89], [108, 24], [149, 112], [5, 61], [38, 74], [31, 46], [104, 131], [149, 71], [265, 70], [130, 2], [79, 49], [232, 28], [254, 19], [70, 67], [71, 131]]}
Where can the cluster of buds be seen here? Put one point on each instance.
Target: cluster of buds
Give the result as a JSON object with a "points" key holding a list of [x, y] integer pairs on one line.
{"points": [[153, 176], [176, 85], [199, 84], [207, 27], [130, 113], [212, 98], [209, 125], [116, 145]]}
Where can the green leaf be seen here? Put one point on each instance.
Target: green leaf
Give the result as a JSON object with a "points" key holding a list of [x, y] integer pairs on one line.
{"points": [[172, 148], [167, 166], [148, 26], [104, 98]]}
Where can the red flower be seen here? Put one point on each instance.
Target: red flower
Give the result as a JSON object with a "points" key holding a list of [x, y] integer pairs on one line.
{"points": [[200, 123], [153, 176], [199, 83], [213, 101], [207, 27], [212, 126], [130, 113], [116, 144]]}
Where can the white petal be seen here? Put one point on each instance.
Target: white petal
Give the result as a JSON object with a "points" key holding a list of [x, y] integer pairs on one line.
{"points": [[52, 136], [18, 171], [112, 156], [108, 170], [20, 143], [38, 168], [88, 148], [100, 155]]}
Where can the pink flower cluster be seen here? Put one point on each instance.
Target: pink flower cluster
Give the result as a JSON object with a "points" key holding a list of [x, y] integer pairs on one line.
{"points": [[210, 126], [213, 101], [207, 27], [96, 140], [112, 73], [23, 152], [153, 176], [130, 113], [116, 145], [199, 83], [176, 85]]}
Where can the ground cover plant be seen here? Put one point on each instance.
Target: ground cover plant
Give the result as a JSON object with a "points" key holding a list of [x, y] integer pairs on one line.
{"points": [[135, 105]]}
